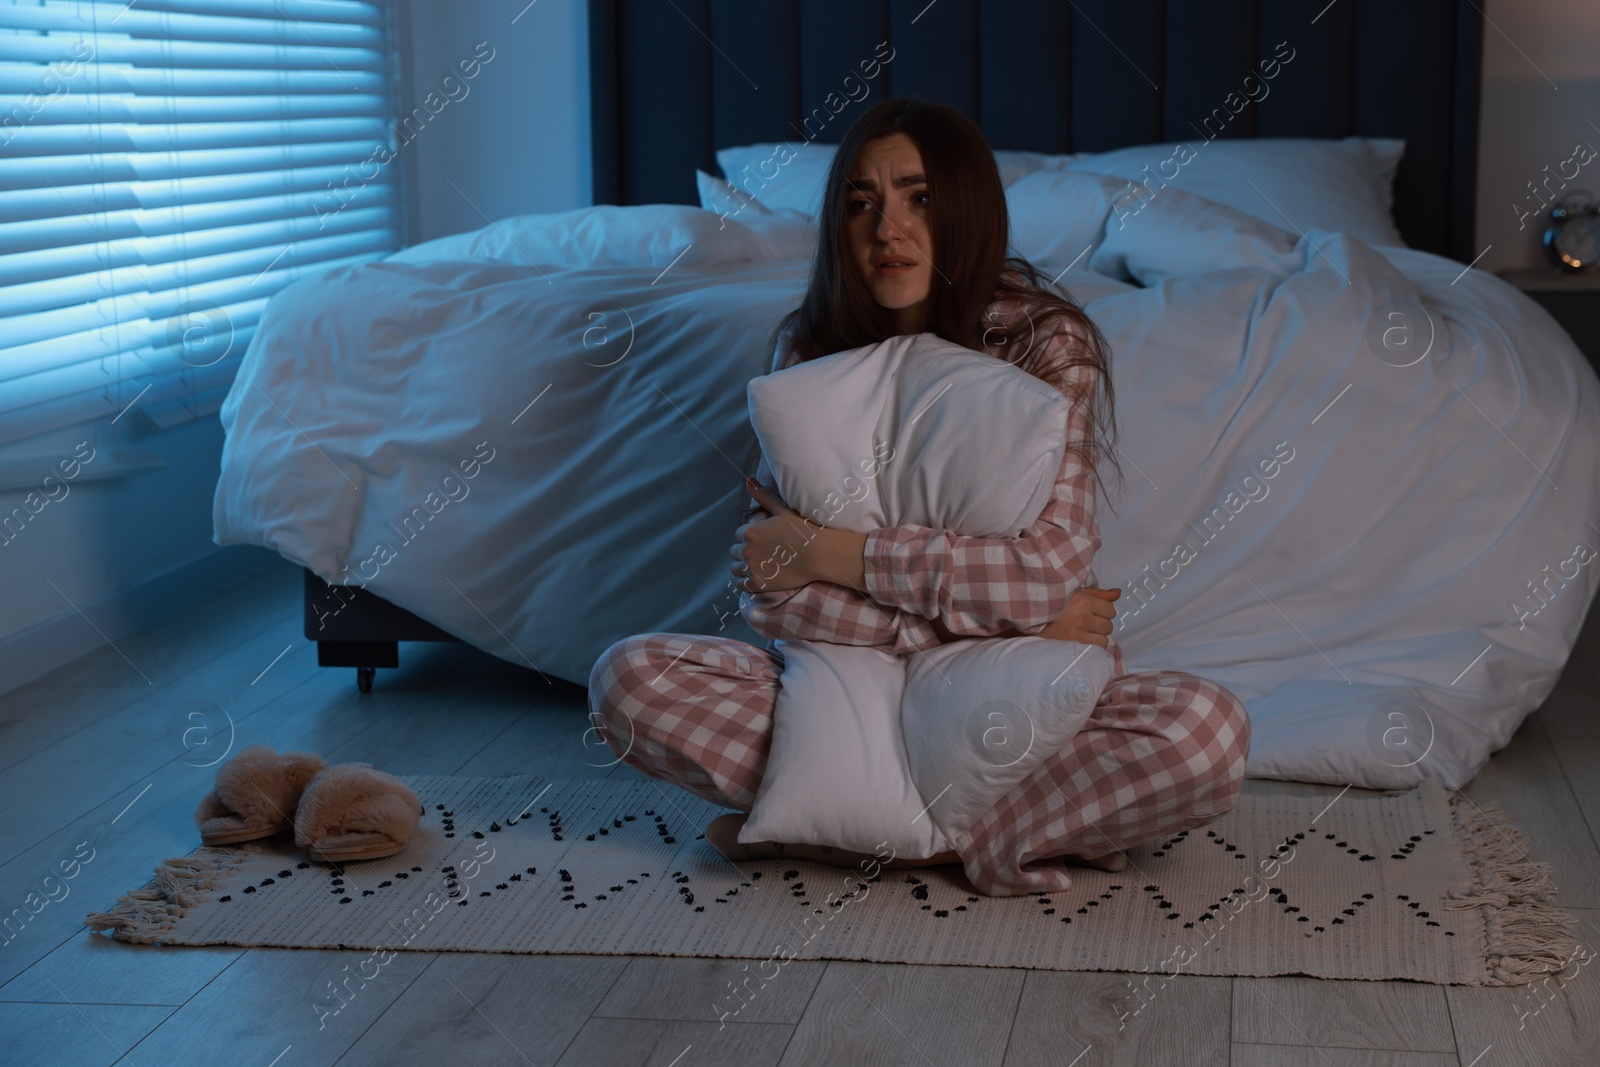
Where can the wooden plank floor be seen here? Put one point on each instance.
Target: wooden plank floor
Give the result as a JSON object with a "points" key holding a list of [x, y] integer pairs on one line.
{"points": [[92, 764]]}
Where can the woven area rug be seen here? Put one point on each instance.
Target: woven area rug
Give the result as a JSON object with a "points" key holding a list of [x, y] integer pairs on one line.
{"points": [[1415, 885]]}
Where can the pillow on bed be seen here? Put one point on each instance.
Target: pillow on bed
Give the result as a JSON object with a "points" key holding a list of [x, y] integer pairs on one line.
{"points": [[868, 747], [1343, 186], [786, 177], [1058, 216], [788, 234], [790, 177], [605, 235], [725, 198]]}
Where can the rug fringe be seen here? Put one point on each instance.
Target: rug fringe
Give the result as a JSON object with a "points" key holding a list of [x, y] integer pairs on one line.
{"points": [[1526, 936], [176, 886]]}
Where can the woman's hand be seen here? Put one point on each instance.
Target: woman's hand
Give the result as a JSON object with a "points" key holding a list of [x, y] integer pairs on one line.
{"points": [[1087, 619], [784, 551]]}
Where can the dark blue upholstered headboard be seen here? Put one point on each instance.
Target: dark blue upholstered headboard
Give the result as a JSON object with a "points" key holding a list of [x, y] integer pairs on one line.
{"points": [[674, 80]]}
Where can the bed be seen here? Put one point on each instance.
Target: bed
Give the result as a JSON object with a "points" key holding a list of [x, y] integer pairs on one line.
{"points": [[528, 437]]}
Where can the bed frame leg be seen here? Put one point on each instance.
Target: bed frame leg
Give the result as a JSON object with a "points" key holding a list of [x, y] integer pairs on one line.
{"points": [[355, 628], [365, 656]]}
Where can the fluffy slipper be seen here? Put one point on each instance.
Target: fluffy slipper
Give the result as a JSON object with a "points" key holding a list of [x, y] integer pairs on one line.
{"points": [[351, 812], [255, 795]]}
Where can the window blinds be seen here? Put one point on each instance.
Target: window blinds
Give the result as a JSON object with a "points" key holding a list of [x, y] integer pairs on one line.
{"points": [[165, 167]]}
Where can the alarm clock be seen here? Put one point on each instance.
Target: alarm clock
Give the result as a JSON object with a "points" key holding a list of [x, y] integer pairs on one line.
{"points": [[1572, 240]]}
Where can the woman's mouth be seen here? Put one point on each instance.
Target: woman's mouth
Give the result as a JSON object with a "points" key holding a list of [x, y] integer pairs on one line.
{"points": [[893, 267]]}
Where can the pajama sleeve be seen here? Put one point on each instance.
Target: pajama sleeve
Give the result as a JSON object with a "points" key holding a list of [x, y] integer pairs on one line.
{"points": [[981, 586]]}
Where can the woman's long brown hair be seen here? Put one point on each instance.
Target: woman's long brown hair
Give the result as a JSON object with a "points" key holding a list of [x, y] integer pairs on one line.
{"points": [[971, 232]]}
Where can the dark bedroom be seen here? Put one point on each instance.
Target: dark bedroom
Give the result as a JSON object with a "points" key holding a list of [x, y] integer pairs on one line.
{"points": [[797, 532]]}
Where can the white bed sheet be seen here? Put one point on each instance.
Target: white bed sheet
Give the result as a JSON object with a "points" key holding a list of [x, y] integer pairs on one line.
{"points": [[1361, 605]]}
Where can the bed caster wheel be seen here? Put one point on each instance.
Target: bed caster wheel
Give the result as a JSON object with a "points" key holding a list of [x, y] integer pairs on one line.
{"points": [[364, 678]]}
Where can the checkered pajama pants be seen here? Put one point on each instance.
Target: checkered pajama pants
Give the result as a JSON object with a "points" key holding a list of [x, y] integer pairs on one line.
{"points": [[1164, 751]]}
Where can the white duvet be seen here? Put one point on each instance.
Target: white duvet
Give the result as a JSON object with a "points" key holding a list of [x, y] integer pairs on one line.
{"points": [[1361, 491]]}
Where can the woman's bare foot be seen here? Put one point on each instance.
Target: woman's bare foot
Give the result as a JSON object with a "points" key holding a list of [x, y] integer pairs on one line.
{"points": [[723, 834]]}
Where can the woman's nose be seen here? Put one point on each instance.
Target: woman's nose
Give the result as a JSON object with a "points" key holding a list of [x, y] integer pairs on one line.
{"points": [[889, 221]]}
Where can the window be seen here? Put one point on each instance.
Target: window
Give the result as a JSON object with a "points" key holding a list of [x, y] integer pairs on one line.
{"points": [[165, 167]]}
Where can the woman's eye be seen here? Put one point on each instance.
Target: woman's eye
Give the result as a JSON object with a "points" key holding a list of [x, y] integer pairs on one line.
{"points": [[920, 199], [858, 204]]}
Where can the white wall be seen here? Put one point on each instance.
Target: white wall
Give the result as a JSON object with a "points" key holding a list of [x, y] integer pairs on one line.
{"points": [[113, 553], [515, 140], [1541, 91]]}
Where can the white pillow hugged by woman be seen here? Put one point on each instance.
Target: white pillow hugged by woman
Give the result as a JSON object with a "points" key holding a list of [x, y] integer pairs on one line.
{"points": [[912, 238]]}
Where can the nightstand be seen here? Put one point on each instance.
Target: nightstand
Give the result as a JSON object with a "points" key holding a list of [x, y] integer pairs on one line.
{"points": [[1573, 300]]}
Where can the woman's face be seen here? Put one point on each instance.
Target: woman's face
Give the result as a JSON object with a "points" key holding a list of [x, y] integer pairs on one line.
{"points": [[886, 227]]}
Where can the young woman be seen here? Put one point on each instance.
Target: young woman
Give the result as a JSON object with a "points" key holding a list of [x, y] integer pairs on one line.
{"points": [[913, 237]]}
